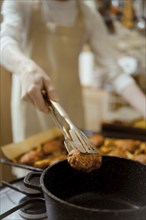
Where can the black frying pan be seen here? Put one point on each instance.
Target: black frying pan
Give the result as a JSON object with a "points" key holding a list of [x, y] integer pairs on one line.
{"points": [[117, 191]]}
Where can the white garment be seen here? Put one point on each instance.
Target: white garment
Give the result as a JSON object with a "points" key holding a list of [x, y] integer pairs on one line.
{"points": [[53, 12], [15, 27]]}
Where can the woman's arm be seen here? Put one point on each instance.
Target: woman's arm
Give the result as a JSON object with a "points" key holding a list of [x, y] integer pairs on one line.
{"points": [[105, 57], [12, 31], [33, 79], [135, 97]]}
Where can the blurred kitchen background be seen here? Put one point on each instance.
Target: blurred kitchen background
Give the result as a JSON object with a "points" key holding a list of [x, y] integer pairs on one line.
{"points": [[125, 21]]}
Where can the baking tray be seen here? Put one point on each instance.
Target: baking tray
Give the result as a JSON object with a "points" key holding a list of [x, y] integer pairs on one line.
{"points": [[116, 130]]}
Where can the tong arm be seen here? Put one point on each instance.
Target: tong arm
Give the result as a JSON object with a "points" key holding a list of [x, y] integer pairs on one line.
{"points": [[59, 122], [58, 115], [60, 111]]}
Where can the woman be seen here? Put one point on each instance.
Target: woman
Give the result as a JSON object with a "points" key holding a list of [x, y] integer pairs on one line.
{"points": [[40, 44]]}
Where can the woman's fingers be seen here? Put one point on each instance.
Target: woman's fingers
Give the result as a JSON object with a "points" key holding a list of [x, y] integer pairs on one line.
{"points": [[33, 81], [50, 89], [39, 101], [34, 95]]}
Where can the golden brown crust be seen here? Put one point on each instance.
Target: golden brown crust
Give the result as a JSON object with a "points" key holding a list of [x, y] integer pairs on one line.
{"points": [[141, 158], [84, 162], [117, 153], [30, 157], [53, 151], [51, 146], [129, 145], [97, 140]]}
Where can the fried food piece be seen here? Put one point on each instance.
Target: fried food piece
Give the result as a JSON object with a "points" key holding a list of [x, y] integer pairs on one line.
{"points": [[50, 160], [141, 158], [42, 163], [109, 142], [52, 146], [140, 124], [129, 155], [84, 162], [31, 156], [117, 153], [127, 145], [97, 140], [107, 149], [141, 149], [59, 158]]}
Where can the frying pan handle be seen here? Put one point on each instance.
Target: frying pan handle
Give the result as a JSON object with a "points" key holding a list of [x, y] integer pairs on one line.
{"points": [[32, 180]]}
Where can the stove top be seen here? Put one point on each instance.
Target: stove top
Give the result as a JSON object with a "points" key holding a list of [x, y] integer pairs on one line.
{"points": [[34, 207]]}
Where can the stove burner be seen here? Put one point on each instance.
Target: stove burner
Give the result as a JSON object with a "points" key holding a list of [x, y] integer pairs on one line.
{"points": [[33, 210]]}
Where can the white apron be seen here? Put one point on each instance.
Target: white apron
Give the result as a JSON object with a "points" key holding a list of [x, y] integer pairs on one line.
{"points": [[56, 51]]}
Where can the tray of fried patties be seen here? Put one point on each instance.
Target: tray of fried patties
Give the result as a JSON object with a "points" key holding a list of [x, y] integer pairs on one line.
{"points": [[46, 150]]}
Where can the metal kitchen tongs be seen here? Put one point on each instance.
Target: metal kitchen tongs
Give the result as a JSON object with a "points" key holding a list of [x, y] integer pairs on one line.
{"points": [[74, 138]]}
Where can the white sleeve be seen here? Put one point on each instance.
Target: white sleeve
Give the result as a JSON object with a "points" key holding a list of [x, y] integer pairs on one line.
{"points": [[12, 28], [105, 56]]}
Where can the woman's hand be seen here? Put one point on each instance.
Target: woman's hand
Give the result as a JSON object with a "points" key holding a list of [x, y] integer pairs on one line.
{"points": [[33, 81]]}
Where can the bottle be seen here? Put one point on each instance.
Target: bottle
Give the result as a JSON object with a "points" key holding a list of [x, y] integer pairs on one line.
{"points": [[128, 14]]}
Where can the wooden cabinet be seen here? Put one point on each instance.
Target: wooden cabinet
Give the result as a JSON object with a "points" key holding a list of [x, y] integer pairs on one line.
{"points": [[5, 119]]}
